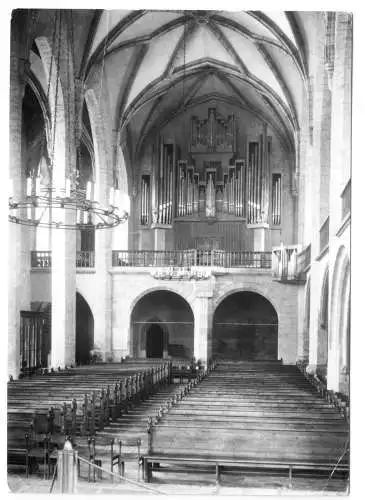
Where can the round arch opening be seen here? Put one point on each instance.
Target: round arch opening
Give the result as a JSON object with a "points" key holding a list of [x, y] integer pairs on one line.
{"points": [[162, 325], [322, 349], [245, 327], [84, 330]]}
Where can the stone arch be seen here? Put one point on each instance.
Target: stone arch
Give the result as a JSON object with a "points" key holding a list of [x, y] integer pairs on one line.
{"points": [[306, 319], [322, 345], [84, 330], [245, 326], [57, 111], [172, 313], [103, 160], [248, 288], [339, 334], [121, 232], [156, 289]]}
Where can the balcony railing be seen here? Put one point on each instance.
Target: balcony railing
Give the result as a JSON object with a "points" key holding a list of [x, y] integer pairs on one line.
{"points": [[85, 259], [324, 235], [304, 260], [41, 260], [288, 264], [190, 258], [346, 200]]}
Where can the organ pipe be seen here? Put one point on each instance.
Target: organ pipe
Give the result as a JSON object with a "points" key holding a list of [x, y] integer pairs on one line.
{"points": [[196, 193], [145, 199], [225, 194], [276, 201]]}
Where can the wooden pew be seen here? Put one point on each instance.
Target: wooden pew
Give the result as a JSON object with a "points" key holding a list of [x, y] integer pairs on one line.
{"points": [[91, 402], [255, 432]]}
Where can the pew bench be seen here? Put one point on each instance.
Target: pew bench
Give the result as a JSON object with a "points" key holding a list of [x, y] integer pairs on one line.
{"points": [[174, 463]]}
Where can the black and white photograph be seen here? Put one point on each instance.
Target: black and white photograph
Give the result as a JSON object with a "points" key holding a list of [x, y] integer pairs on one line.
{"points": [[179, 249]]}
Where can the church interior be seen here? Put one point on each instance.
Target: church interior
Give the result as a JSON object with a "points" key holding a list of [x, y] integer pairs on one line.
{"points": [[179, 247]]}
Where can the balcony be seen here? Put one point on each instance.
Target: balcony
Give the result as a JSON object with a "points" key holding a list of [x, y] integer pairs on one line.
{"points": [[191, 258], [43, 260], [85, 259], [289, 265]]}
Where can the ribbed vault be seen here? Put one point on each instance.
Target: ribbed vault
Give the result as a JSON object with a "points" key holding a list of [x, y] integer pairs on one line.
{"points": [[152, 65]]}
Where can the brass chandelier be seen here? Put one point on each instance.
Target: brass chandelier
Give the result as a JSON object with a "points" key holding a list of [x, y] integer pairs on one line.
{"points": [[70, 206]]}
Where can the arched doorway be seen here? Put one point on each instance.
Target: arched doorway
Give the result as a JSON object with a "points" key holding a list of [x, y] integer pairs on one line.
{"points": [[322, 353], [245, 327], [306, 322], [84, 330], [154, 341], [339, 325], [162, 325]]}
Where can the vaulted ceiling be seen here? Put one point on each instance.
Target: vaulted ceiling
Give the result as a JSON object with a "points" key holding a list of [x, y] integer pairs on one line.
{"points": [[155, 64]]}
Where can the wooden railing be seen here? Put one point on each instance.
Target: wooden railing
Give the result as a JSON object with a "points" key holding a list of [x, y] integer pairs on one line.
{"points": [[288, 264], [324, 235], [346, 200], [304, 259], [85, 258], [41, 259], [190, 258]]}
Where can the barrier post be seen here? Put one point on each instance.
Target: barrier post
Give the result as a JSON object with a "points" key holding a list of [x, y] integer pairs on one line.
{"points": [[67, 469]]}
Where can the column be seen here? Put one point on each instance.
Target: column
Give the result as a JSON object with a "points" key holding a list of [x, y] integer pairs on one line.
{"points": [[18, 236], [203, 320], [63, 347], [315, 305], [339, 175], [103, 310]]}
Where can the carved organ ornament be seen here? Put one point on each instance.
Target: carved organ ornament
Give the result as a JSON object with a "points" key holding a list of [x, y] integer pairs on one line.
{"points": [[213, 134]]}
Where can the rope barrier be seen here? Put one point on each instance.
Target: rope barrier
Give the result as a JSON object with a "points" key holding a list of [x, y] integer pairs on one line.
{"points": [[335, 467], [135, 483], [53, 478]]}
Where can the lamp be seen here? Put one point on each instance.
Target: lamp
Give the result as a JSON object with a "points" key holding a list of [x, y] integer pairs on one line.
{"points": [[47, 203]]}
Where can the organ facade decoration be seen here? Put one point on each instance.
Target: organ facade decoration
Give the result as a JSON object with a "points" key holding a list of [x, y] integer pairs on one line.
{"points": [[215, 181]]}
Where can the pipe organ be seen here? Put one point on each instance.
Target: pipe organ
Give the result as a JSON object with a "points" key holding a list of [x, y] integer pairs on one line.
{"points": [[165, 185], [276, 199], [145, 200], [213, 134], [187, 190], [213, 183], [257, 181]]}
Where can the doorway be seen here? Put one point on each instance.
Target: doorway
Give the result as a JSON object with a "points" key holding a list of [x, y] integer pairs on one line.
{"points": [[154, 341]]}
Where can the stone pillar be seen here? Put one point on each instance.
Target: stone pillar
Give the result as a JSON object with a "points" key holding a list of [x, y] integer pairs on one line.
{"points": [[339, 176], [203, 320], [63, 347], [103, 309], [104, 138], [18, 236], [315, 305]]}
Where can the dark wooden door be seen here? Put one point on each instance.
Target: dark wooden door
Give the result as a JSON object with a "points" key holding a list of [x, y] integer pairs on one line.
{"points": [[154, 348]]}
